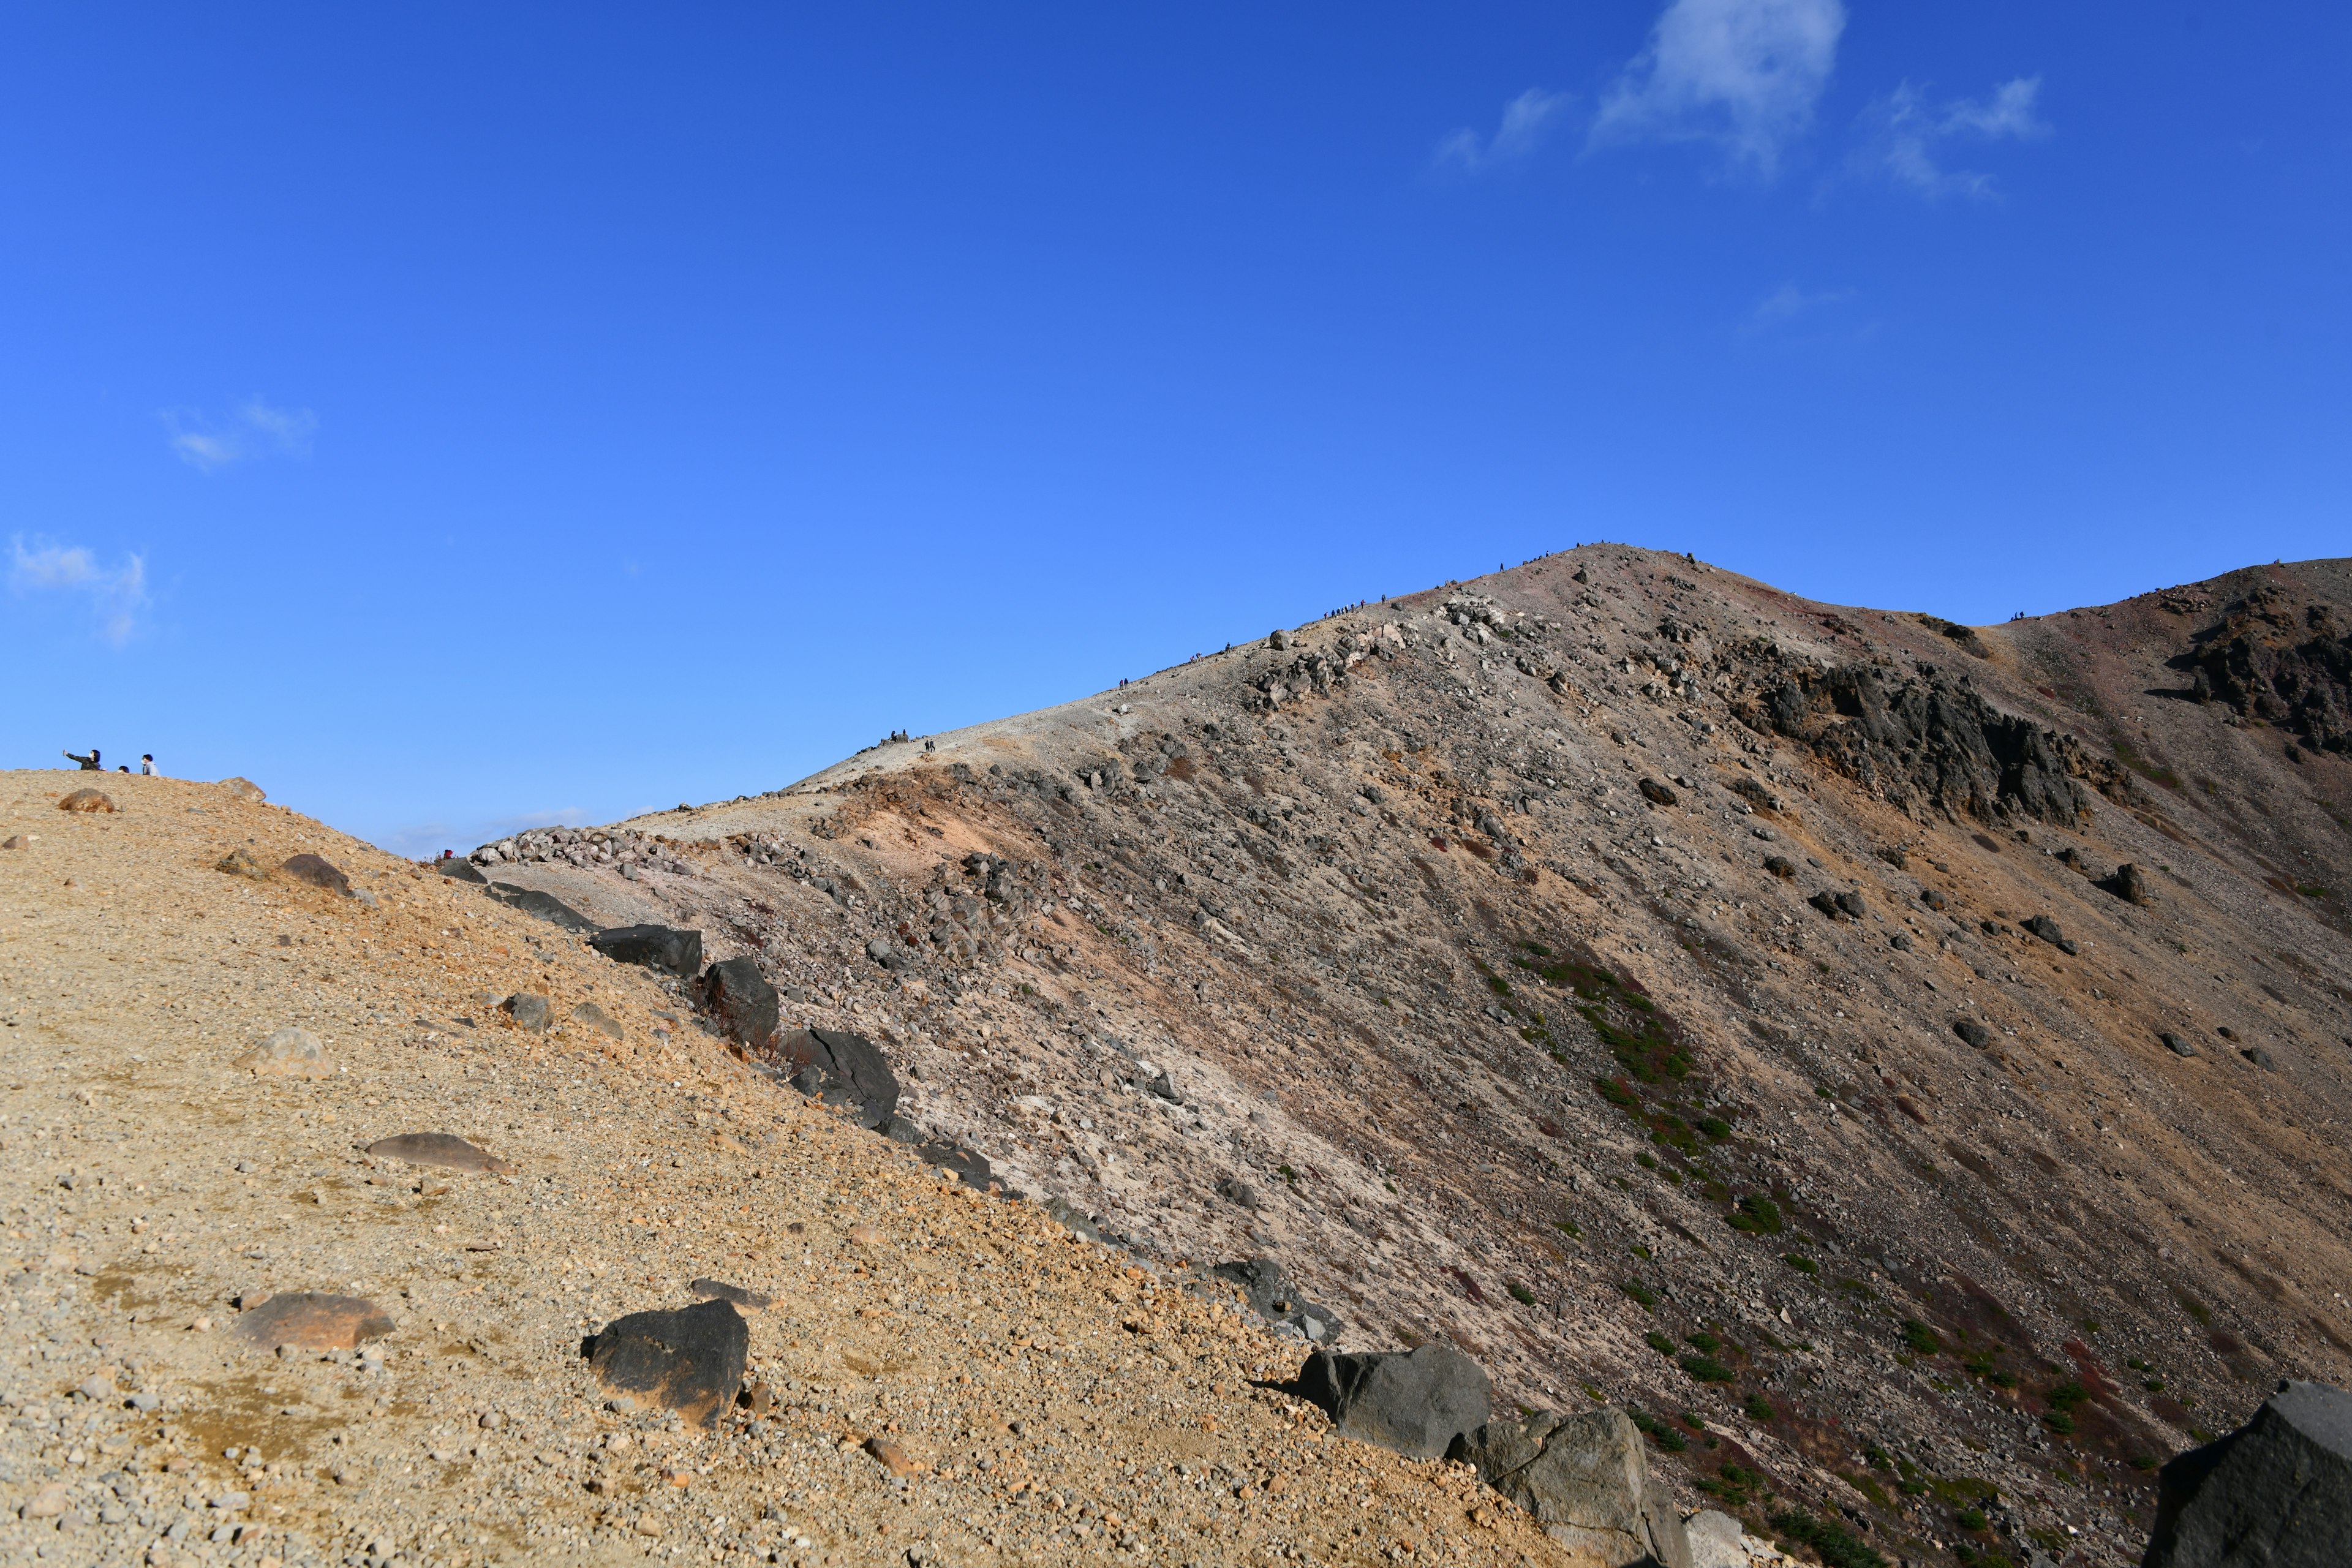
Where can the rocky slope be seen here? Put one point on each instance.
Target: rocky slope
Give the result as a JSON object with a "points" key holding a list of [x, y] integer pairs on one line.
{"points": [[247, 1317], [1907, 1062]]}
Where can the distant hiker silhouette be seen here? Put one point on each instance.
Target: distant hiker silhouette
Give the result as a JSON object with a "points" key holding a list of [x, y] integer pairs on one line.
{"points": [[147, 765], [89, 764]]}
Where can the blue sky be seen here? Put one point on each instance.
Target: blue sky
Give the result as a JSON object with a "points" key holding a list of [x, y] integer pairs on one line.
{"points": [[458, 417]]}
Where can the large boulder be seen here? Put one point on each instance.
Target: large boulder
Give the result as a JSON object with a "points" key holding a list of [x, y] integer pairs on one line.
{"points": [[318, 871], [1586, 1479], [665, 947], [1415, 1404], [1274, 1297], [690, 1361], [841, 1070], [740, 1001], [2275, 1492]]}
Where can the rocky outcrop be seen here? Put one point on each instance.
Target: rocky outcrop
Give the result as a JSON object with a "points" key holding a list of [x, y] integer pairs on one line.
{"points": [[1931, 740], [2294, 669], [2277, 1491], [1586, 1479], [1417, 1403]]}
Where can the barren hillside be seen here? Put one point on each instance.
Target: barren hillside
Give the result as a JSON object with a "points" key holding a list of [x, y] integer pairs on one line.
{"points": [[1906, 1061], [260, 1305]]}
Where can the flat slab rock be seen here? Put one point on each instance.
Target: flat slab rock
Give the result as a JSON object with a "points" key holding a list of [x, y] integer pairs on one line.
{"points": [[546, 906], [706, 1290], [841, 1070], [690, 1360], [2275, 1492], [1415, 1403], [314, 1320], [442, 1150], [1586, 1479]]}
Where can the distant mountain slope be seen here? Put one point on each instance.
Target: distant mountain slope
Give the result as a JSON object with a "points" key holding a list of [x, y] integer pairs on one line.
{"points": [[1669, 989]]}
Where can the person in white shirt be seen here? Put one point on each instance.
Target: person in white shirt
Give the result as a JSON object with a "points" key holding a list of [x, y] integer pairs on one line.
{"points": [[147, 765]]}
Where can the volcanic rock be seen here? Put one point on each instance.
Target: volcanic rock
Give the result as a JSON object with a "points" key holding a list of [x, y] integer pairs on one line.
{"points": [[742, 1002], [1586, 1479], [661, 948], [2276, 1491], [689, 1360], [442, 1150], [314, 1320], [1416, 1404], [841, 1070], [318, 871]]}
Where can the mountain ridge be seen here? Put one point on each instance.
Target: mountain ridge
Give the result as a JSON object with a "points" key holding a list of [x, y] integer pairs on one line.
{"points": [[1617, 951]]}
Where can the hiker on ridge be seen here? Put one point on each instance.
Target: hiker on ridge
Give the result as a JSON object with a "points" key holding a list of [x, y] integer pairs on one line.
{"points": [[147, 765], [89, 764]]}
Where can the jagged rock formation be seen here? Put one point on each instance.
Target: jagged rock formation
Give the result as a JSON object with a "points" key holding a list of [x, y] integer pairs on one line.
{"points": [[1646, 981]]}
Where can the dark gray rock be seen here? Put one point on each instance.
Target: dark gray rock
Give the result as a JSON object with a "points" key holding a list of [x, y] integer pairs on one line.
{"points": [[1851, 904], [546, 906], [690, 1361], [2276, 1492], [1274, 1297], [1586, 1479], [1416, 1404], [2260, 1057], [2131, 884], [1899, 942], [1974, 1033], [460, 870], [528, 1010], [1239, 1192], [2176, 1044], [841, 1070], [1827, 903], [2047, 929], [1657, 793], [1781, 866], [663, 948], [743, 1004]]}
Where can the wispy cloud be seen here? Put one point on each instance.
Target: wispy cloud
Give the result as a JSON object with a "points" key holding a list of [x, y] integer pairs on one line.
{"points": [[1525, 120], [254, 429], [1903, 135], [1742, 74], [117, 596], [1788, 302]]}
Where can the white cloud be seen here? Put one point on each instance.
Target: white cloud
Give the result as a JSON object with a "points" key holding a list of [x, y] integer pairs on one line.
{"points": [[1902, 136], [1786, 302], [1525, 119], [1744, 74], [116, 597], [253, 430]]}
